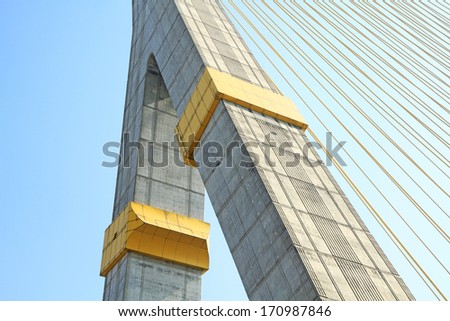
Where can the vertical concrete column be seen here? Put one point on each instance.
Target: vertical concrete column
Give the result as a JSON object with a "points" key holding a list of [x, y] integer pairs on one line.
{"points": [[292, 232], [151, 171]]}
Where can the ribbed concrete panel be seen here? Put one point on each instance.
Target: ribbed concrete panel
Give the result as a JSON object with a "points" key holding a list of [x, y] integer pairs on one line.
{"points": [[142, 278], [289, 209]]}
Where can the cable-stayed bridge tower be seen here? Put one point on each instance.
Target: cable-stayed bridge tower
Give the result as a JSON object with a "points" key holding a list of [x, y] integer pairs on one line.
{"points": [[291, 230]]}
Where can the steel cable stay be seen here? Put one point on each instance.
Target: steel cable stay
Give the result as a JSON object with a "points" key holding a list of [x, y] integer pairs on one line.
{"points": [[290, 41], [411, 199], [443, 19], [416, 25], [403, 250], [395, 84], [418, 39], [401, 52], [421, 22], [391, 112], [392, 42]]}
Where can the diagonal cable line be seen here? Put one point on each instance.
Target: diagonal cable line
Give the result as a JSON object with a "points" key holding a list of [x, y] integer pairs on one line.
{"points": [[398, 120], [421, 22], [384, 170], [377, 85], [415, 23], [411, 34], [290, 41], [426, 280], [400, 46], [391, 79], [443, 19]]}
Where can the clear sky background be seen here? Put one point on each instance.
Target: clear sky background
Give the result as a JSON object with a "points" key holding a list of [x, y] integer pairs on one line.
{"points": [[63, 77], [64, 67]]}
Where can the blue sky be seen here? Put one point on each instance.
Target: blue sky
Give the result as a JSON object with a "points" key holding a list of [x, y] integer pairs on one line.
{"points": [[63, 78], [64, 70]]}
